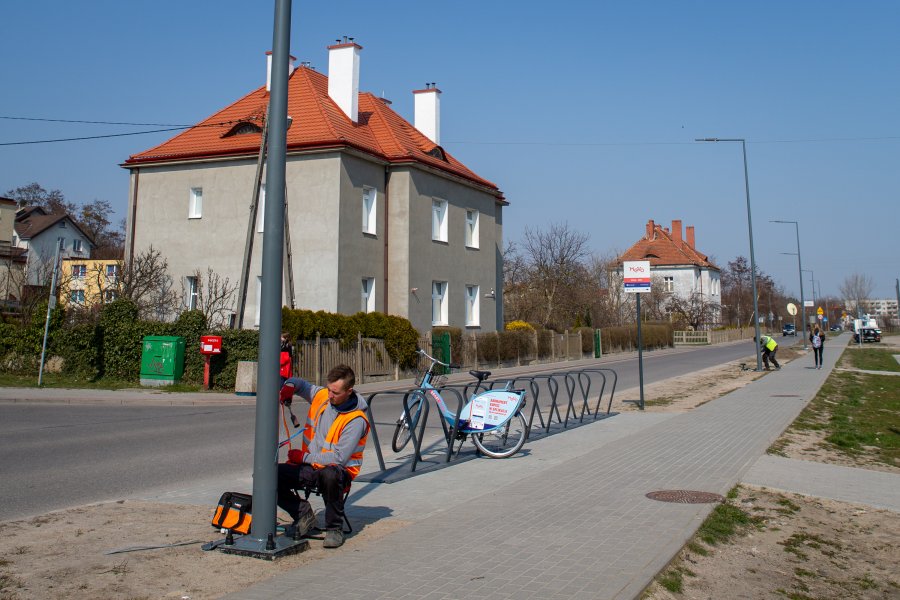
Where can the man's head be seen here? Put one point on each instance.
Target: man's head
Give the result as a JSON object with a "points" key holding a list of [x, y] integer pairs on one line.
{"points": [[340, 382]]}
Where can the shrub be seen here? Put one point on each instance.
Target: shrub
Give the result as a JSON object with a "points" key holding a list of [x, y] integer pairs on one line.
{"points": [[519, 326]]}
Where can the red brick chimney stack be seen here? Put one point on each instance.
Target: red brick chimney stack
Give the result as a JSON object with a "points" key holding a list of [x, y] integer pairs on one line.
{"points": [[690, 236], [676, 231], [650, 227]]}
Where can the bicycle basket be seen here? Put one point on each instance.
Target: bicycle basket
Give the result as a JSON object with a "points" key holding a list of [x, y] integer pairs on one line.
{"points": [[438, 380]]}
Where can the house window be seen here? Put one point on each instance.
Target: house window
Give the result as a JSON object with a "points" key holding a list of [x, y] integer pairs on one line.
{"points": [[669, 282], [472, 228], [439, 220], [193, 293], [195, 207], [261, 209], [112, 271], [258, 298], [77, 296], [368, 294], [438, 302], [472, 309], [368, 211], [109, 295], [79, 271], [62, 243], [62, 224]]}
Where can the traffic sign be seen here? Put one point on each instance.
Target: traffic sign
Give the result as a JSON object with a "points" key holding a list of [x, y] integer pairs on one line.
{"points": [[819, 311], [636, 276], [792, 308]]}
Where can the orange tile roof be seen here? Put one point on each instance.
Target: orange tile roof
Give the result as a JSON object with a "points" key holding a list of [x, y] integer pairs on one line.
{"points": [[661, 248], [318, 122]]}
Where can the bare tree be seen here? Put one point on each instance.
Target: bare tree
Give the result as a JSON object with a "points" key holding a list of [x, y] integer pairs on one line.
{"points": [[855, 289], [34, 194], [147, 283], [554, 260], [694, 310], [517, 301], [215, 296]]}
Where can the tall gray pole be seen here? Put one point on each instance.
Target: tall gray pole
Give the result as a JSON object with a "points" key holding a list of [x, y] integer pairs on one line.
{"points": [[802, 299], [51, 304], [897, 291], [750, 230], [268, 381]]}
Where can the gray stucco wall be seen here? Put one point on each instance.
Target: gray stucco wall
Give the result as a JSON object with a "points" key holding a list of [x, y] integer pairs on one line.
{"points": [[331, 253]]}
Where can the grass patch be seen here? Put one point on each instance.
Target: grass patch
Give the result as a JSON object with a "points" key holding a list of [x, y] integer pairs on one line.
{"points": [[859, 414], [697, 548], [672, 580], [786, 507], [723, 523], [873, 359], [61, 380]]}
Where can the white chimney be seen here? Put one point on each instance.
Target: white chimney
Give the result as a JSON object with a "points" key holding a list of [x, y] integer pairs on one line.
{"points": [[428, 112], [343, 76], [269, 69]]}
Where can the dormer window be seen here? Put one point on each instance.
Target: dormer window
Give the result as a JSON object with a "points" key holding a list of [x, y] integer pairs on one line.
{"points": [[243, 128], [438, 153], [62, 224], [650, 256]]}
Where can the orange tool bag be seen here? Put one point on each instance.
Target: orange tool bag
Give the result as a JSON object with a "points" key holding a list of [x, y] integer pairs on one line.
{"points": [[233, 512]]}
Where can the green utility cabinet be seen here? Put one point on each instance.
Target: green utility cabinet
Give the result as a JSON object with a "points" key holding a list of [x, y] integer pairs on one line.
{"points": [[162, 360]]}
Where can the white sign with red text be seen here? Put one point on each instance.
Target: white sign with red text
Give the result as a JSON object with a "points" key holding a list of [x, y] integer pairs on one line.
{"points": [[636, 276]]}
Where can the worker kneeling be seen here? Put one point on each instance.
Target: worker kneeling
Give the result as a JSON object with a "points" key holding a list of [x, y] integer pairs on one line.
{"points": [[331, 455]]}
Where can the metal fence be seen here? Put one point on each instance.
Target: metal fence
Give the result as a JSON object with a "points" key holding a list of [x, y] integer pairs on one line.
{"points": [[696, 338]]}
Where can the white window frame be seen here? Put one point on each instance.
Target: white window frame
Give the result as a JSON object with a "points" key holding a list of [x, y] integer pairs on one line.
{"points": [[79, 271], [76, 245], [368, 294], [62, 243], [192, 292], [195, 203], [369, 211], [109, 295], [473, 306], [439, 220], [77, 296], [261, 210], [472, 219], [669, 283], [439, 302], [112, 272]]}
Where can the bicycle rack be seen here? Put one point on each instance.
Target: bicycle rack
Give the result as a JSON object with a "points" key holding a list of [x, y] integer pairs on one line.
{"points": [[576, 380]]}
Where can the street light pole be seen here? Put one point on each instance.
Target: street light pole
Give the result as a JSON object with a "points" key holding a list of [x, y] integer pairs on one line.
{"points": [[800, 267], [750, 230]]}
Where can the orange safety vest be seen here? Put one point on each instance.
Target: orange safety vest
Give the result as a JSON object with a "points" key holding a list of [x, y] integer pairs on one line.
{"points": [[316, 408]]}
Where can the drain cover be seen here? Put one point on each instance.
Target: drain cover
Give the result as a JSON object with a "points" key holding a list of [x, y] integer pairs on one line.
{"points": [[685, 496]]}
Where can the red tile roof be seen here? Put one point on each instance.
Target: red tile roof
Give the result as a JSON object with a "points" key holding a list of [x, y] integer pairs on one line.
{"points": [[318, 123], [664, 249]]}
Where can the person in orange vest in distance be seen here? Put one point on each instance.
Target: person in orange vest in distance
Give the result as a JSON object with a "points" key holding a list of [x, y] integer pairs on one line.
{"points": [[331, 455], [286, 358]]}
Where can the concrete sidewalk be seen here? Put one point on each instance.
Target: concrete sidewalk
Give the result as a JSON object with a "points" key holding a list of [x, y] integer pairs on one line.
{"points": [[569, 518]]}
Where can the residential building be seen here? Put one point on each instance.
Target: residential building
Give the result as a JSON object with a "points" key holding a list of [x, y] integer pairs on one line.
{"points": [[677, 265], [39, 234], [86, 283], [381, 217], [884, 309], [12, 259]]}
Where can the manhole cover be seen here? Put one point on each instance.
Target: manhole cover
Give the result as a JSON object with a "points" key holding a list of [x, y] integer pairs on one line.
{"points": [[685, 496]]}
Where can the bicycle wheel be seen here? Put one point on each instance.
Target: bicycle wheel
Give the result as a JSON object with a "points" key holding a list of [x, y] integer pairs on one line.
{"points": [[402, 430], [503, 441]]}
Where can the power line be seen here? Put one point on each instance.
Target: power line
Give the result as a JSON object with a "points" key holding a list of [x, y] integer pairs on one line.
{"points": [[89, 137], [92, 122], [691, 143]]}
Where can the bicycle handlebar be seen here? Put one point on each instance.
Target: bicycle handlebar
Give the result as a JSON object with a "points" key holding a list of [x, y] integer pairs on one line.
{"points": [[431, 358]]}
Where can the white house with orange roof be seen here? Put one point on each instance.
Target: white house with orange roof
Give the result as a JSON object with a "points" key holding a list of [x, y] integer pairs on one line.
{"points": [[676, 263], [381, 217]]}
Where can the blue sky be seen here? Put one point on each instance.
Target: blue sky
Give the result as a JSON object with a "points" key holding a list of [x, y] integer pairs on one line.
{"points": [[582, 112]]}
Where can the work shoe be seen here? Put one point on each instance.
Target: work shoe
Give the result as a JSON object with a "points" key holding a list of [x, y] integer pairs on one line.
{"points": [[334, 538], [302, 526], [777, 368]]}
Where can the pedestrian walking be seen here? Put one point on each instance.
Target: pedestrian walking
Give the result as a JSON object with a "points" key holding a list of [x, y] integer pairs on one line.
{"points": [[817, 341]]}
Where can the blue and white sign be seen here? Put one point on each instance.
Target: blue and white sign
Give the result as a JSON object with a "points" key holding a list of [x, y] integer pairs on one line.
{"points": [[636, 276]]}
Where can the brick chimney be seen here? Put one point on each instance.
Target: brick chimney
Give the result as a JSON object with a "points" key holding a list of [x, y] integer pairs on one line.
{"points": [[343, 76], [269, 69], [650, 227], [676, 231], [690, 236], [428, 112]]}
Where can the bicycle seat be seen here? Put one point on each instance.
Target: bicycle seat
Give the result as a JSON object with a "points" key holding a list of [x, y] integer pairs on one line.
{"points": [[480, 375]]}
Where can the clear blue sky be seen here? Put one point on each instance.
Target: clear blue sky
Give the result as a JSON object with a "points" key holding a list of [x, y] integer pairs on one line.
{"points": [[582, 112]]}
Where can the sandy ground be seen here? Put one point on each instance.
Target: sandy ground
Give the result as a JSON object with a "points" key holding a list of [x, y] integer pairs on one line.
{"points": [[66, 554]]}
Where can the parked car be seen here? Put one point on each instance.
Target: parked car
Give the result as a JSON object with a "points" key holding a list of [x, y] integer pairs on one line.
{"points": [[868, 335], [789, 329], [836, 328]]}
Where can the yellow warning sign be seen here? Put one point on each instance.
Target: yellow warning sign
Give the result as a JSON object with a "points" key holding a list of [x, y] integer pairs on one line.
{"points": [[819, 311]]}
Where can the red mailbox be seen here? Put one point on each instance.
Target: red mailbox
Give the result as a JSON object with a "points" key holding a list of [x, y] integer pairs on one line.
{"points": [[210, 344]]}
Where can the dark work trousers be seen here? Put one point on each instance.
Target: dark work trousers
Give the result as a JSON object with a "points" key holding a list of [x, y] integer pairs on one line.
{"points": [[330, 481], [768, 355], [817, 354]]}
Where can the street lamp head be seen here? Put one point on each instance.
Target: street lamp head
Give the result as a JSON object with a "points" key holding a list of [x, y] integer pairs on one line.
{"points": [[706, 139]]}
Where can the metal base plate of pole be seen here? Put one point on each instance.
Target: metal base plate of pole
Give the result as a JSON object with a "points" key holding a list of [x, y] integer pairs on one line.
{"points": [[268, 549]]}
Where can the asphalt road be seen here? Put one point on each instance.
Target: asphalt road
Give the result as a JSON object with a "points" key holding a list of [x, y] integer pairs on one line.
{"points": [[57, 456]]}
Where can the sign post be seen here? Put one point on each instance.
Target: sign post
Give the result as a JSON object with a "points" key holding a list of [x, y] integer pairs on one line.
{"points": [[636, 278]]}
